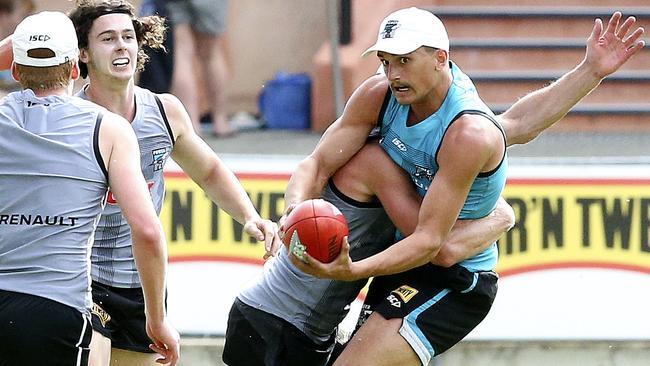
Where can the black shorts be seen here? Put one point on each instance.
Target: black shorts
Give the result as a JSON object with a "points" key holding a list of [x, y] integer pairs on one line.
{"points": [[440, 306], [255, 337], [35, 331], [118, 314]]}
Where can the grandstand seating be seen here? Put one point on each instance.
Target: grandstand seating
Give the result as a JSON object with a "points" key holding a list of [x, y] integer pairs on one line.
{"points": [[512, 47], [511, 50]]}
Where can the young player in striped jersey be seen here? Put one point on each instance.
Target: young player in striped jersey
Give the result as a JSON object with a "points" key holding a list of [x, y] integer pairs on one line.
{"points": [[110, 42]]}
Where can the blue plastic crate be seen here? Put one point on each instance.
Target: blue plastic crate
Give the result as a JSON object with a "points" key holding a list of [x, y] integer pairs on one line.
{"points": [[285, 102]]}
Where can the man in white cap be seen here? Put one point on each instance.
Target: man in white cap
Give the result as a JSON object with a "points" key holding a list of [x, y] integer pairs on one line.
{"points": [[57, 155], [433, 124]]}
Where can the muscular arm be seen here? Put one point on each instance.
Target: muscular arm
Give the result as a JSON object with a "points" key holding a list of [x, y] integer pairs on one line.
{"points": [[394, 189], [119, 149], [606, 52], [440, 208], [339, 143], [442, 203], [205, 168]]}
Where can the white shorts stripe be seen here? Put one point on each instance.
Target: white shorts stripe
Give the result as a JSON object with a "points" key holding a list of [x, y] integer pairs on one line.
{"points": [[414, 336], [81, 337], [416, 343]]}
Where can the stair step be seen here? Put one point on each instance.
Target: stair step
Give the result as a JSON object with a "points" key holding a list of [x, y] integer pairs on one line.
{"points": [[518, 43], [602, 122], [528, 53], [594, 109], [493, 59], [547, 3], [500, 12], [549, 75], [609, 91], [529, 22]]}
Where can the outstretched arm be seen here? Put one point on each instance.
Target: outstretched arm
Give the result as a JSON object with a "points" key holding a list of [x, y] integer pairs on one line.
{"points": [[205, 168], [606, 52]]}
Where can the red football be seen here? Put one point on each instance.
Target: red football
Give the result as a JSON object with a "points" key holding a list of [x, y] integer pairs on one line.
{"points": [[315, 226]]}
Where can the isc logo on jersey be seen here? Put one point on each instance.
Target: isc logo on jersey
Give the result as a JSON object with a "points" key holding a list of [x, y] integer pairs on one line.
{"points": [[400, 145]]}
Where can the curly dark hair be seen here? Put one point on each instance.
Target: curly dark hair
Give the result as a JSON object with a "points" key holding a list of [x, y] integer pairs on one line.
{"points": [[150, 31]]}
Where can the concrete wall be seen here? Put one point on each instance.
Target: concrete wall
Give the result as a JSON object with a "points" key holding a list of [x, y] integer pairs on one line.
{"points": [[263, 37], [207, 352], [557, 353], [268, 36]]}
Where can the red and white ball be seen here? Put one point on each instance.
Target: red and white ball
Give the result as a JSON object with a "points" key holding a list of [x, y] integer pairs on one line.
{"points": [[317, 227]]}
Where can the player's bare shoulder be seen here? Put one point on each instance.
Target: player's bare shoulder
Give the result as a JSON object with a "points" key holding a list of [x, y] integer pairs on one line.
{"points": [[485, 137], [177, 116], [114, 125], [114, 129], [366, 101], [373, 90], [171, 103]]}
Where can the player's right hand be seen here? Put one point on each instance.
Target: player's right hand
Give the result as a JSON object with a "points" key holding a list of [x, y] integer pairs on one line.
{"points": [[166, 341], [341, 269]]}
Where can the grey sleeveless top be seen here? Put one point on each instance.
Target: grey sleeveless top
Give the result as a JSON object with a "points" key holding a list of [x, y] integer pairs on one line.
{"points": [[53, 186], [112, 257], [313, 305]]}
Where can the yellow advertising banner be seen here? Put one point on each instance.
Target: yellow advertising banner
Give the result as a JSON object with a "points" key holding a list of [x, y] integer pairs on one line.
{"points": [[601, 223], [197, 230], [577, 223]]}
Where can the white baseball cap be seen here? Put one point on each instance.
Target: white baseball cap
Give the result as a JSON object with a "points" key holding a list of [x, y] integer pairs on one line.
{"points": [[45, 39], [406, 30]]}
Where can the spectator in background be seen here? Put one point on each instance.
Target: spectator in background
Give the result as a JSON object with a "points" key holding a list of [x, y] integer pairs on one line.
{"points": [[198, 28], [12, 12], [157, 76]]}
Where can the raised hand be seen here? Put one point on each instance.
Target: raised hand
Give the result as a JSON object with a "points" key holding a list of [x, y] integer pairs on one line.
{"points": [[608, 50]]}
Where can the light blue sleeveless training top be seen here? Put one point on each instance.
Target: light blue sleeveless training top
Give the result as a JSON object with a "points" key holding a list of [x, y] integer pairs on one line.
{"points": [[415, 149]]}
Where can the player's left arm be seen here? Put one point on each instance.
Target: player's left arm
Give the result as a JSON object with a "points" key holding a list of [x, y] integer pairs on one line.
{"points": [[205, 168], [6, 53], [607, 50], [447, 193]]}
